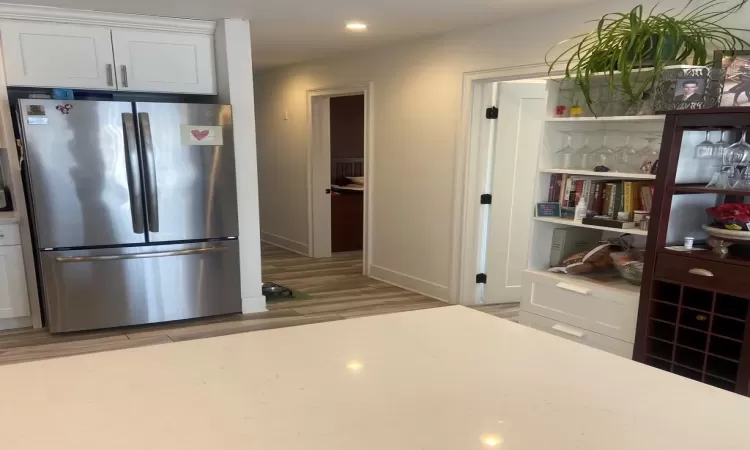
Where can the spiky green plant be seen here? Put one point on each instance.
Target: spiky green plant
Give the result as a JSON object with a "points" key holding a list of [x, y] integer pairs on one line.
{"points": [[624, 43]]}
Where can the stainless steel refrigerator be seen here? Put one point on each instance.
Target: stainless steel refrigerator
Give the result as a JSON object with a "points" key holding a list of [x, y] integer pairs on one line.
{"points": [[134, 209]]}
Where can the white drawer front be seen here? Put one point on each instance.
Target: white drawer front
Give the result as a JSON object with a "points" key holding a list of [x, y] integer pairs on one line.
{"points": [[581, 303], [9, 235], [585, 337]]}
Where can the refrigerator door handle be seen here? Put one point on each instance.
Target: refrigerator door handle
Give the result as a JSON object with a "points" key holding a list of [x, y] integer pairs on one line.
{"points": [[152, 197], [194, 251], [134, 174]]}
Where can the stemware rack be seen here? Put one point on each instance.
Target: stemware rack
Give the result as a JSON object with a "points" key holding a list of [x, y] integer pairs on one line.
{"points": [[694, 308]]}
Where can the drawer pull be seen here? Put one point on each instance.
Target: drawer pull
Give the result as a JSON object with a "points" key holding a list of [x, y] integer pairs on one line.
{"points": [[568, 330], [701, 272], [573, 288], [701, 317]]}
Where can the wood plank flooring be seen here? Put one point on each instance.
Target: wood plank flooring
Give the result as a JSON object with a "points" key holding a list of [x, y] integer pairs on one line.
{"points": [[333, 289]]}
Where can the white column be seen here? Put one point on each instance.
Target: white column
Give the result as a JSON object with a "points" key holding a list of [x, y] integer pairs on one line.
{"points": [[234, 77]]}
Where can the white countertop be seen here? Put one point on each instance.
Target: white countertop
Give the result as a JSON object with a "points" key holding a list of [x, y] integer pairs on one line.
{"points": [[447, 378], [7, 217]]}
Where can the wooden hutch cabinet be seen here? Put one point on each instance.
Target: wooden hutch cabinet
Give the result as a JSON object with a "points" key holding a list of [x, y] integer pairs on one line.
{"points": [[694, 314]]}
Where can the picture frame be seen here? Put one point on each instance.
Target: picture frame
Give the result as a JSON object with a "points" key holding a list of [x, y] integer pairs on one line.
{"points": [[548, 209], [735, 79], [687, 87]]}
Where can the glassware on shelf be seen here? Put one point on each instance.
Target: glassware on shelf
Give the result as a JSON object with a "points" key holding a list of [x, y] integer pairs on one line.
{"points": [[720, 178], [603, 157], [626, 158], [720, 147], [567, 157], [743, 181], [705, 150], [649, 155], [586, 160]]}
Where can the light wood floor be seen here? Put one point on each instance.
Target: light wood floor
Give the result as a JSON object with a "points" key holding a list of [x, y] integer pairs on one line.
{"points": [[335, 289]]}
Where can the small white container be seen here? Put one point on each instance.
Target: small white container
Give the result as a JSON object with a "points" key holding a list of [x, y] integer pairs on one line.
{"points": [[689, 242]]}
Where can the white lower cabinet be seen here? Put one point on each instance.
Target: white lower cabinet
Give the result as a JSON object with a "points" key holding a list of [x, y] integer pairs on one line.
{"points": [[583, 311], [14, 300], [580, 335]]}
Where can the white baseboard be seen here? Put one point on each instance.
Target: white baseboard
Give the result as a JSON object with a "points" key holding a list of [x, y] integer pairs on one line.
{"points": [[15, 322], [410, 283], [289, 244], [253, 304]]}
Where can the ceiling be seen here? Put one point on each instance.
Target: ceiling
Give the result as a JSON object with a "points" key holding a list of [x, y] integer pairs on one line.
{"points": [[288, 31]]}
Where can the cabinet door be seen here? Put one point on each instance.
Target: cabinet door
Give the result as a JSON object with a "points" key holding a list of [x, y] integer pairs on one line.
{"points": [[14, 299], [164, 62], [45, 54]]}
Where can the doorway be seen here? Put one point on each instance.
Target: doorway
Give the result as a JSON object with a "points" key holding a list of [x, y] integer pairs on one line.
{"points": [[506, 124], [340, 177]]}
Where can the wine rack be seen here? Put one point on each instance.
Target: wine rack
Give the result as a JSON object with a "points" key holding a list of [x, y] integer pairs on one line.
{"points": [[697, 334]]}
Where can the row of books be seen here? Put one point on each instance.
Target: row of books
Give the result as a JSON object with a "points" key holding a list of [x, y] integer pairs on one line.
{"points": [[604, 197]]}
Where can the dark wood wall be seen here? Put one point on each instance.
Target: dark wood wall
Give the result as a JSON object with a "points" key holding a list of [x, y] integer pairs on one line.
{"points": [[348, 126]]}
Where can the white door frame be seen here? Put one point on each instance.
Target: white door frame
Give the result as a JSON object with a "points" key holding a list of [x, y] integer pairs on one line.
{"points": [[318, 211], [466, 219]]}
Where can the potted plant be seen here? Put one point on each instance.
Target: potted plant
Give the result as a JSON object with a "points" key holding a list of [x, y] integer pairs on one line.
{"points": [[624, 44]]}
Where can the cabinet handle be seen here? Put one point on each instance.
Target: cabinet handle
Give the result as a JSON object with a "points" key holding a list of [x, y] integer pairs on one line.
{"points": [[701, 272], [124, 73], [573, 288], [109, 75], [568, 330]]}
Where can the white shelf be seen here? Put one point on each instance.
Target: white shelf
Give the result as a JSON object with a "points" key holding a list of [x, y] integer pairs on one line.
{"points": [[591, 173], [632, 119], [573, 223], [618, 285]]}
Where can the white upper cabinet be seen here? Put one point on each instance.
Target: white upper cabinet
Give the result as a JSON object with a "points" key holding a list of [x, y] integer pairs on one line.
{"points": [[45, 54], [164, 62], [49, 54]]}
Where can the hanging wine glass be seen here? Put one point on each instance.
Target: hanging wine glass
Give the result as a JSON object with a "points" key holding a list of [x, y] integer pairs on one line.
{"points": [[626, 157], [567, 157], [705, 149], [603, 156], [586, 160], [720, 179], [736, 154]]}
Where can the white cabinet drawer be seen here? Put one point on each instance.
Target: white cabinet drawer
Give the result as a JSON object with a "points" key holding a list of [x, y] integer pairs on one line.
{"points": [[9, 235], [14, 298], [585, 337], [584, 304]]}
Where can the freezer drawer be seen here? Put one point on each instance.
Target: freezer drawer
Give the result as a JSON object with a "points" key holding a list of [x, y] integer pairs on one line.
{"points": [[102, 288]]}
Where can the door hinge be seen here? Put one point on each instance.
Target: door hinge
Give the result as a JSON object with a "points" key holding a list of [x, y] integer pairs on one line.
{"points": [[492, 112], [482, 278], [485, 199]]}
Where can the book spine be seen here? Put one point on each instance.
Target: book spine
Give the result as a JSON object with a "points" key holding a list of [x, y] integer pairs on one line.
{"points": [[598, 197], [627, 198], [586, 191], [551, 189], [558, 186], [611, 204], [566, 191], [619, 199]]}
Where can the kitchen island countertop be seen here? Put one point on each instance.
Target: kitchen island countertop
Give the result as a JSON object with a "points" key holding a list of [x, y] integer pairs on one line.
{"points": [[446, 378]]}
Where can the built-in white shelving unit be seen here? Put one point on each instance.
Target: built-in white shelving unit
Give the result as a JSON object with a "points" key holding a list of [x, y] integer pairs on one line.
{"points": [[597, 309]]}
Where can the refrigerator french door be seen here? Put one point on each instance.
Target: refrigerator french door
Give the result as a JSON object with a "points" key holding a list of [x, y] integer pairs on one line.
{"points": [[134, 209]]}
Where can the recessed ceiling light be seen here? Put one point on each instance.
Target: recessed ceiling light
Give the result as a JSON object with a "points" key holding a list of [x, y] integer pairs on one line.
{"points": [[356, 26]]}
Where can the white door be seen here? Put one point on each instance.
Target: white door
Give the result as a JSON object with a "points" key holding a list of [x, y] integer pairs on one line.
{"points": [[46, 54], [320, 165], [521, 112], [164, 62], [14, 300]]}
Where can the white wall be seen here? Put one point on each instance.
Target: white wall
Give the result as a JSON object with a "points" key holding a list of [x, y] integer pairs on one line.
{"points": [[417, 103]]}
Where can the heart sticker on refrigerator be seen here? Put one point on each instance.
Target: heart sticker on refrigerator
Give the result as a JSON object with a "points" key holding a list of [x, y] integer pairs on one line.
{"points": [[191, 135]]}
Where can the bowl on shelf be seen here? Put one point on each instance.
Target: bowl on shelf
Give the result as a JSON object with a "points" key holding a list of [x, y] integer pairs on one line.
{"points": [[629, 265], [721, 239]]}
